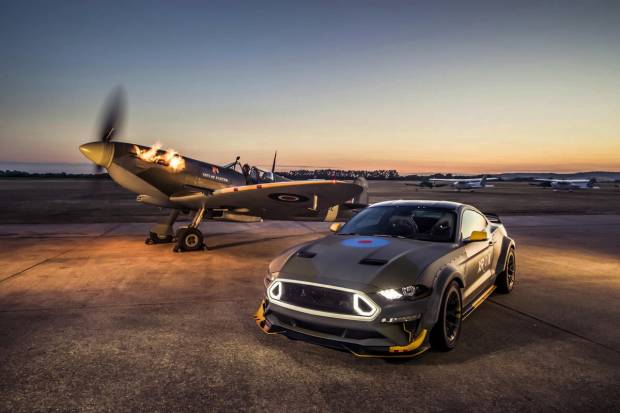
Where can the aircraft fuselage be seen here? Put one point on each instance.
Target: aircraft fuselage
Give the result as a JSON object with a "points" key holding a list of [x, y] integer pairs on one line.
{"points": [[154, 178]]}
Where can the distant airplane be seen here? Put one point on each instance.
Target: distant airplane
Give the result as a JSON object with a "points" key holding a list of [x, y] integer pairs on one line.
{"points": [[468, 184], [232, 192], [568, 184]]}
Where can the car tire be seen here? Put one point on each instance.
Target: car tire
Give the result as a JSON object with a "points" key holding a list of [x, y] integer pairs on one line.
{"points": [[190, 239], [447, 330], [506, 279]]}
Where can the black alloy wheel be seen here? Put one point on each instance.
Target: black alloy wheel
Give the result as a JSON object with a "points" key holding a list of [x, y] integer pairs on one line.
{"points": [[506, 279], [447, 330]]}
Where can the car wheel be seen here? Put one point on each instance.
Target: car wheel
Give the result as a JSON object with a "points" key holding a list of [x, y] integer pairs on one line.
{"points": [[506, 279], [447, 330], [190, 239]]}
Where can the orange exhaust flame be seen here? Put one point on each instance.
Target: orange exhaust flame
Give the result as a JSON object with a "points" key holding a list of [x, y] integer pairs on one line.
{"points": [[169, 157]]}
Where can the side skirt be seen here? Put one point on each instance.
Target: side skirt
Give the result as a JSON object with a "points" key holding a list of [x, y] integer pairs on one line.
{"points": [[476, 303]]}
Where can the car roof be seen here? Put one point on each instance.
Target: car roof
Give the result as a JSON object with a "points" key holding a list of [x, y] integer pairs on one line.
{"points": [[421, 203]]}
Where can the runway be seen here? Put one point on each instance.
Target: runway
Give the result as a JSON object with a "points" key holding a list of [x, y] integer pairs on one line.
{"points": [[93, 319]]}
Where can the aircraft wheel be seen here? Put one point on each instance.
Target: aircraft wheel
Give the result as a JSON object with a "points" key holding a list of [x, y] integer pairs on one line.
{"points": [[189, 239], [154, 238]]}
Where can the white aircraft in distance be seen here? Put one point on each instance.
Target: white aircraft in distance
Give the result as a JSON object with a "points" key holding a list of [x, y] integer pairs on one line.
{"points": [[569, 184], [460, 184]]}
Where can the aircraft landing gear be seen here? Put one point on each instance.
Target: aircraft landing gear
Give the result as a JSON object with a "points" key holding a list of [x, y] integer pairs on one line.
{"points": [[190, 238], [162, 232]]}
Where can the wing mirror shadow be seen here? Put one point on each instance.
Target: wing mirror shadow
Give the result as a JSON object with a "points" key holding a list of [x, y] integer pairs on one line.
{"points": [[335, 227], [477, 236]]}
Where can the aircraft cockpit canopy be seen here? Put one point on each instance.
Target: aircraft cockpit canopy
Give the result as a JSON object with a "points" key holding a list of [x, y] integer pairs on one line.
{"points": [[254, 175]]}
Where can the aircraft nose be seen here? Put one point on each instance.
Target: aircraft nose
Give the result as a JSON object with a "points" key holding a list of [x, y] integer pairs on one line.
{"points": [[100, 153]]}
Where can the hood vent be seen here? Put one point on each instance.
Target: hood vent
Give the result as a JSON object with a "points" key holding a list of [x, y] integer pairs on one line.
{"points": [[305, 254], [373, 261]]}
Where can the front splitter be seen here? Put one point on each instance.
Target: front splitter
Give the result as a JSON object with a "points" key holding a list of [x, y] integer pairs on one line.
{"points": [[418, 346]]}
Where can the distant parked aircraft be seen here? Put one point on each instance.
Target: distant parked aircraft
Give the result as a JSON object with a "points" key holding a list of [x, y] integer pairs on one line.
{"points": [[568, 184], [460, 184], [425, 183]]}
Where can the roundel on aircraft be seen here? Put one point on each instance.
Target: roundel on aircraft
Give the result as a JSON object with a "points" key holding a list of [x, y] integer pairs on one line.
{"points": [[288, 197]]}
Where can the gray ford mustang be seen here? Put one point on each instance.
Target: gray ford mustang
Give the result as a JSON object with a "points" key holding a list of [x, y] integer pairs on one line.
{"points": [[396, 279]]}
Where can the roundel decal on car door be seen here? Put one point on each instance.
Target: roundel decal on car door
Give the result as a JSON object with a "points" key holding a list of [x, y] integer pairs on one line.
{"points": [[282, 197]]}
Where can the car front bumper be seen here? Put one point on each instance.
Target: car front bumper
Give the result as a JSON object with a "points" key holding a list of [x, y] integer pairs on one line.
{"points": [[375, 338]]}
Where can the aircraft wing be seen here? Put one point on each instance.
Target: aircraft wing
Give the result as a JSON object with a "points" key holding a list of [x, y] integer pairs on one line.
{"points": [[564, 181], [276, 200], [462, 180], [446, 180]]}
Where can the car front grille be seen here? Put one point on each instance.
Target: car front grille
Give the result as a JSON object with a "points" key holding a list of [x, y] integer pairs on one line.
{"points": [[318, 298], [323, 300]]}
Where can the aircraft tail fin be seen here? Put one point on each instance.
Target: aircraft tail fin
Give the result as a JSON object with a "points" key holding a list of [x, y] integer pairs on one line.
{"points": [[362, 198]]}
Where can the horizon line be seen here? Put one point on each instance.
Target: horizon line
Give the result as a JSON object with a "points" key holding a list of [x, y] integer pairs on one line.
{"points": [[400, 172]]}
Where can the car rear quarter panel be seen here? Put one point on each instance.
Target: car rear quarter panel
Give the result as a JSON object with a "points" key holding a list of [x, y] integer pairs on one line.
{"points": [[506, 244]]}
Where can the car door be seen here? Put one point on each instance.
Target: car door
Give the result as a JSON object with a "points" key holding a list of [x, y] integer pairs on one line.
{"points": [[478, 271]]}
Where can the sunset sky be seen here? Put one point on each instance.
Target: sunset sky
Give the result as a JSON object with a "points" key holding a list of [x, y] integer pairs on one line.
{"points": [[466, 86]]}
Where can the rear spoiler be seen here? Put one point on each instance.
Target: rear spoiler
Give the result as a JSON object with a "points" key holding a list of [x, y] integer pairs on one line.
{"points": [[493, 217]]}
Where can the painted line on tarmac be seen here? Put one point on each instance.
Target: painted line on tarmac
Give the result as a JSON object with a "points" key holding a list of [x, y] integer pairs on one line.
{"points": [[547, 323], [18, 273]]}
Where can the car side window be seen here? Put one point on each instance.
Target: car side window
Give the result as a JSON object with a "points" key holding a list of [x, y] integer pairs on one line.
{"points": [[472, 221]]}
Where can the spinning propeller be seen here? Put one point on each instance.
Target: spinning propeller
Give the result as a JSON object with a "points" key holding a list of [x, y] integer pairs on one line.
{"points": [[113, 115], [111, 121]]}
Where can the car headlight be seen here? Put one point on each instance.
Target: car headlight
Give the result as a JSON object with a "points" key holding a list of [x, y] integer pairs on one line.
{"points": [[408, 292]]}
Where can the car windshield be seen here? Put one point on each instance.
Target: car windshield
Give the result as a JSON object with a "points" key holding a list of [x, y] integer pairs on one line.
{"points": [[403, 221]]}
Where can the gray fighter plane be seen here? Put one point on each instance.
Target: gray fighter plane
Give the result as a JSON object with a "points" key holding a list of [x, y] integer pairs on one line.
{"points": [[232, 192]]}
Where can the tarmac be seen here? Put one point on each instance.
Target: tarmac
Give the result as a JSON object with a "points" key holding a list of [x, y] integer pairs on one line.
{"points": [[92, 319]]}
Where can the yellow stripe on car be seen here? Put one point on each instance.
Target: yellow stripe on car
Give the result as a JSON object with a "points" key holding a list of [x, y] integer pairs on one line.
{"points": [[411, 346]]}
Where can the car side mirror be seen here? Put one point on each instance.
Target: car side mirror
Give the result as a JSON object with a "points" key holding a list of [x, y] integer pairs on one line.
{"points": [[477, 236], [335, 227]]}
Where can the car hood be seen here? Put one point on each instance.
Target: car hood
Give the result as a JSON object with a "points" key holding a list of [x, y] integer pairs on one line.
{"points": [[363, 263]]}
